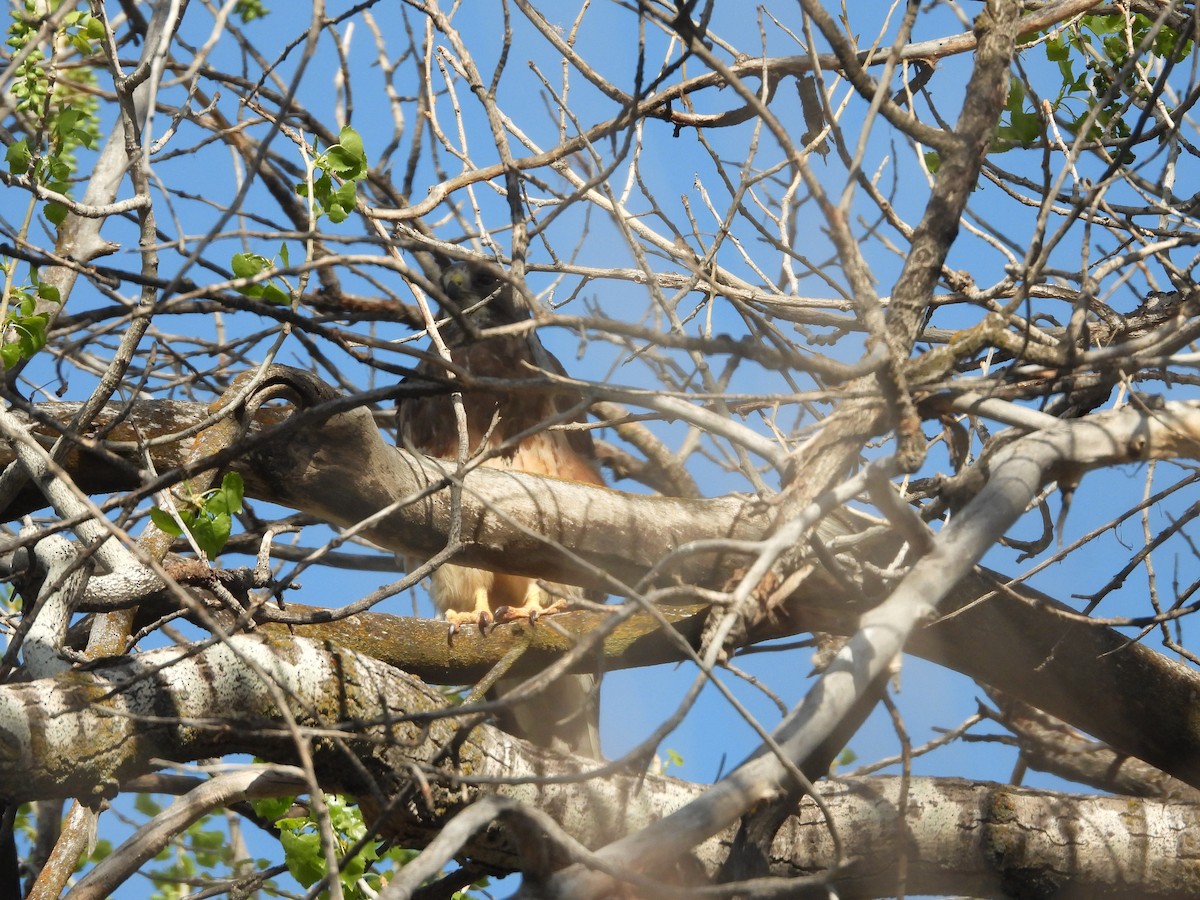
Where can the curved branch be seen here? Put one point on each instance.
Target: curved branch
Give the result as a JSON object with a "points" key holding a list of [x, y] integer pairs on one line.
{"points": [[331, 461]]}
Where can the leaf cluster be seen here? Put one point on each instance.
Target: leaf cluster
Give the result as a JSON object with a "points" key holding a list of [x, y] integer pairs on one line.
{"points": [[300, 837], [251, 265], [66, 110], [24, 329], [199, 849], [1094, 98], [344, 164], [207, 518]]}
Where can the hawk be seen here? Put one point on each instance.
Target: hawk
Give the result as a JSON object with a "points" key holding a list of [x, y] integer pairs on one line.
{"points": [[512, 428]]}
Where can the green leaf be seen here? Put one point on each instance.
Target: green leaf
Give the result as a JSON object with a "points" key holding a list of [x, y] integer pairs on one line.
{"points": [[81, 137], [341, 162], [211, 534], [60, 174], [56, 213], [209, 839], [352, 143], [249, 10], [1023, 127], [273, 294], [1100, 25], [346, 195], [32, 334], [165, 521], [10, 354], [1027, 127], [227, 499], [209, 846], [933, 161], [219, 530], [67, 119], [341, 204], [18, 157], [1067, 72], [1165, 44], [323, 190], [1016, 96], [247, 265], [302, 853], [347, 158], [273, 808]]}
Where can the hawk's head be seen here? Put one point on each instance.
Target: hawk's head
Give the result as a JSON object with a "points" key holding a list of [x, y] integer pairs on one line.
{"points": [[481, 297]]}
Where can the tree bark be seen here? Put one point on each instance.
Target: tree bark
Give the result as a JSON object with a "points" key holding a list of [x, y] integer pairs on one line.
{"points": [[329, 459], [110, 723]]}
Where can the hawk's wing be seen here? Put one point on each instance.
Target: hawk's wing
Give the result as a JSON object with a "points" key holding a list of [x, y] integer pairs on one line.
{"points": [[428, 424]]}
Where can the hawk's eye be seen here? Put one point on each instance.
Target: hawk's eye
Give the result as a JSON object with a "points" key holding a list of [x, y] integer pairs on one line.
{"points": [[483, 284]]}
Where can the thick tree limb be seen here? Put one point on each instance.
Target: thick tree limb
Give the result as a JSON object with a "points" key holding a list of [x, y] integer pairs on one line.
{"points": [[331, 461], [86, 731], [110, 721], [340, 469], [1018, 471]]}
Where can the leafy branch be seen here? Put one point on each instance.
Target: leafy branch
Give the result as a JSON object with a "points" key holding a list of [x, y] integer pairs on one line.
{"points": [[208, 518]]}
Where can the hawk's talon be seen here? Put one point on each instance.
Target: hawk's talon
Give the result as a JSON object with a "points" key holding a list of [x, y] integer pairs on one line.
{"points": [[481, 618], [531, 611]]}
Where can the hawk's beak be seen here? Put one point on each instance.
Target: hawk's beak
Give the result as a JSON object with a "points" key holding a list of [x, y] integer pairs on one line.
{"points": [[456, 281]]}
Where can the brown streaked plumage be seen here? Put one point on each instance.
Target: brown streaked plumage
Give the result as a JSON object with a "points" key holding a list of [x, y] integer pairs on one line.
{"points": [[562, 716]]}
